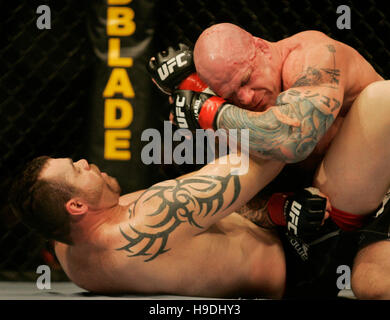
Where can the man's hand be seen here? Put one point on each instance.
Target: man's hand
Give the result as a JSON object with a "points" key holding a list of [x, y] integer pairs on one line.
{"points": [[173, 71], [303, 212], [194, 110], [169, 68]]}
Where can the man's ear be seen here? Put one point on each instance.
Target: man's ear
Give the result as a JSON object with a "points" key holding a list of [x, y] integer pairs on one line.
{"points": [[76, 206], [263, 46]]}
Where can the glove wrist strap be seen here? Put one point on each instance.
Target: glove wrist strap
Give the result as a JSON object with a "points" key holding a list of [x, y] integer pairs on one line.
{"points": [[193, 83], [209, 112], [276, 208]]}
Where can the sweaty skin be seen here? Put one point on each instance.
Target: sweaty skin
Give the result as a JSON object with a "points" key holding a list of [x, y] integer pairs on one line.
{"points": [[296, 91], [177, 237]]}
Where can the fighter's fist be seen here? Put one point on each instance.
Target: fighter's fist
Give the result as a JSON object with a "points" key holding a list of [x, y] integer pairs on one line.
{"points": [[303, 212], [169, 68], [194, 110]]}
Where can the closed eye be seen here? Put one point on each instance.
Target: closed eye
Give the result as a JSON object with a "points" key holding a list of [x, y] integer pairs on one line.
{"points": [[244, 82], [246, 79], [77, 169]]}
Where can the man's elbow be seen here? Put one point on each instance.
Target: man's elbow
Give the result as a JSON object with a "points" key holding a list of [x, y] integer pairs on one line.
{"points": [[286, 152], [282, 157], [298, 157], [295, 155]]}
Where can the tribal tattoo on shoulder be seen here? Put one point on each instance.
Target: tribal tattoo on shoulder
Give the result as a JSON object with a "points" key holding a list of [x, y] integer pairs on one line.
{"points": [[186, 201], [290, 132]]}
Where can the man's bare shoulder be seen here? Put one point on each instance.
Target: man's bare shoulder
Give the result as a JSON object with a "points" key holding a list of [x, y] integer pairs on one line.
{"points": [[90, 267], [310, 37], [311, 50], [308, 44], [314, 51], [127, 199]]}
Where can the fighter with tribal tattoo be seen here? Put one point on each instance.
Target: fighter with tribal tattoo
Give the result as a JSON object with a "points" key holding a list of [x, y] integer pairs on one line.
{"points": [[183, 201]]}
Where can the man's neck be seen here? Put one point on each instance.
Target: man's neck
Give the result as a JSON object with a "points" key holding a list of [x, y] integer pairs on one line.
{"points": [[90, 226], [282, 49]]}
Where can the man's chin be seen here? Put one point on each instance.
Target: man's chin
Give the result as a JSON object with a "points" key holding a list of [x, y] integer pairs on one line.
{"points": [[112, 183], [265, 108], [259, 109]]}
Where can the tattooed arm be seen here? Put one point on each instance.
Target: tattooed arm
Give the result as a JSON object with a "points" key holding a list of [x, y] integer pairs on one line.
{"points": [[290, 130], [185, 207]]}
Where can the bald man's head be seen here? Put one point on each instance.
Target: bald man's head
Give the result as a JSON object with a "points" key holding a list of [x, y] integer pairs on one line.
{"points": [[220, 49], [238, 66]]}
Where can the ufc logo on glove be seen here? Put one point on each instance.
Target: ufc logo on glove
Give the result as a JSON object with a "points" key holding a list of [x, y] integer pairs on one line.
{"points": [[168, 68], [180, 115], [294, 214]]}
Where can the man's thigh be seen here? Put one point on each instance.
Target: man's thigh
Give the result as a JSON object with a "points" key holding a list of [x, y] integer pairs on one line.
{"points": [[355, 172]]}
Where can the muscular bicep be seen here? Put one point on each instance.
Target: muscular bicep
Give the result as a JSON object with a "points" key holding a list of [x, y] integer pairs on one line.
{"points": [[309, 112]]}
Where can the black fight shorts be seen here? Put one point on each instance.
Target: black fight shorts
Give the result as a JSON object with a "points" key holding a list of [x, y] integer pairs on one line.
{"points": [[312, 269]]}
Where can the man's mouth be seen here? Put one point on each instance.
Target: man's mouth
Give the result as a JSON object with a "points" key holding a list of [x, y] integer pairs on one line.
{"points": [[95, 168], [259, 104]]}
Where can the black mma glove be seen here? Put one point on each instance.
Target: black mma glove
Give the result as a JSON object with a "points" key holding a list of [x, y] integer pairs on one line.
{"points": [[173, 71], [194, 110], [302, 212], [169, 68]]}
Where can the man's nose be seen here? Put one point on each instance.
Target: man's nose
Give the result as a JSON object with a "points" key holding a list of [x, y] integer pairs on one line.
{"points": [[83, 163], [245, 96]]}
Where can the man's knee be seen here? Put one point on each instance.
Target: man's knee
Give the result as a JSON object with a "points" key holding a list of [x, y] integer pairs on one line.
{"points": [[370, 113], [371, 270], [377, 94], [367, 283]]}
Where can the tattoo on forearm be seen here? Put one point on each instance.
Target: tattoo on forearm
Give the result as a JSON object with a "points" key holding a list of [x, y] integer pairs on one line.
{"points": [[290, 132], [272, 136], [189, 200]]}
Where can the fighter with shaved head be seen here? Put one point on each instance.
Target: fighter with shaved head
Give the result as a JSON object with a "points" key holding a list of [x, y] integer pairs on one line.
{"points": [[228, 62], [307, 100]]}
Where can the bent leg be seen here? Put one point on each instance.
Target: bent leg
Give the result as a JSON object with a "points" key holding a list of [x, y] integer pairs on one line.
{"points": [[355, 173], [370, 273]]}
